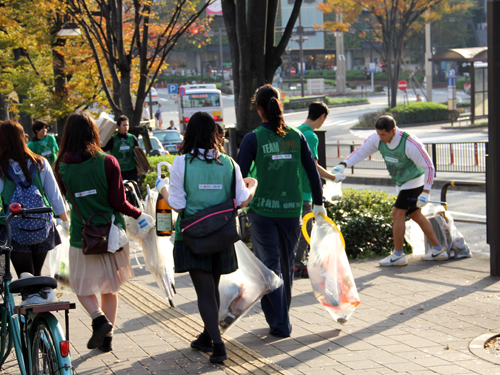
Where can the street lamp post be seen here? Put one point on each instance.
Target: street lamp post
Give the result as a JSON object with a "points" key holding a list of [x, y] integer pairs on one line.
{"points": [[288, 53], [221, 56], [301, 55]]}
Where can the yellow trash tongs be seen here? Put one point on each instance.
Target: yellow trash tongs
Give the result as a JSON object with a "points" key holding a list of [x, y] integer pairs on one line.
{"points": [[308, 217]]}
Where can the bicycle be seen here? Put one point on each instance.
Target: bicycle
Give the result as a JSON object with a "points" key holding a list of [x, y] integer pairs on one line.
{"points": [[40, 344]]}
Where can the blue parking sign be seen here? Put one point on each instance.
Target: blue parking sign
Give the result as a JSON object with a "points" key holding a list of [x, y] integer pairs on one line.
{"points": [[172, 88]]}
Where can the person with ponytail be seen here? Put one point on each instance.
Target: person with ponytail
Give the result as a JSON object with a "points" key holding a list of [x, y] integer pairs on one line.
{"points": [[273, 154]]}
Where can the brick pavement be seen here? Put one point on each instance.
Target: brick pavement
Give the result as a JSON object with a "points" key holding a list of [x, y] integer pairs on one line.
{"points": [[417, 319]]}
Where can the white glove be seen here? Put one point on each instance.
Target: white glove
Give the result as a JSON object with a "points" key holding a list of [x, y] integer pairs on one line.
{"points": [[162, 183], [65, 224], [422, 200], [339, 177], [145, 223], [317, 210], [338, 169]]}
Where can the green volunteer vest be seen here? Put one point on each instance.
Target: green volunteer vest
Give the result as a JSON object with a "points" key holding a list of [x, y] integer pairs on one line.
{"points": [[206, 184], [276, 167], [123, 151], [88, 184], [400, 167], [9, 187], [46, 147], [312, 141]]}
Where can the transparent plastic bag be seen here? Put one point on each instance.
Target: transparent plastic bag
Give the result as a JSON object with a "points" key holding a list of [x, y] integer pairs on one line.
{"points": [[158, 252], [240, 290], [332, 191], [329, 271], [117, 237], [59, 261]]}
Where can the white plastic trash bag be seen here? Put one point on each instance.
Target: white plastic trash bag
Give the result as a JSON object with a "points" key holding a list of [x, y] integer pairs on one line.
{"points": [[240, 290], [329, 271], [117, 237], [59, 261], [158, 252], [415, 237], [332, 191]]}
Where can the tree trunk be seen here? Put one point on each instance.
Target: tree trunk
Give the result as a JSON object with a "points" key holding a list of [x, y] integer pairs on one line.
{"points": [[4, 109], [250, 27]]}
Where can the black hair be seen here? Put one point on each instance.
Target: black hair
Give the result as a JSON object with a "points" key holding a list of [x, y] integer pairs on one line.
{"points": [[316, 109], [268, 98], [202, 132], [121, 119], [386, 123], [37, 126]]}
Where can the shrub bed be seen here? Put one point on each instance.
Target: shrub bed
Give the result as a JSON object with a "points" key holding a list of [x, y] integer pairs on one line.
{"points": [[365, 220], [328, 100], [150, 178]]}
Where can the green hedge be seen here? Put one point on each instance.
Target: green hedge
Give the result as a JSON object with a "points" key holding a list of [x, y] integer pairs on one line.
{"points": [[418, 112], [328, 101], [365, 220]]}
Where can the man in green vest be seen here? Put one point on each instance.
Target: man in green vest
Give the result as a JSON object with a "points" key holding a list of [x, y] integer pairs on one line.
{"points": [[412, 170], [42, 143], [318, 111], [121, 146]]}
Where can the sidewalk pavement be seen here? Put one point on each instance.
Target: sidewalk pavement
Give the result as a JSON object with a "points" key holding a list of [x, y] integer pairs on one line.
{"points": [[417, 319]]}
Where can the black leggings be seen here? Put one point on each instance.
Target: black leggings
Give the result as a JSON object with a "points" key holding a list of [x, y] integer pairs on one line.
{"points": [[28, 262], [206, 286]]}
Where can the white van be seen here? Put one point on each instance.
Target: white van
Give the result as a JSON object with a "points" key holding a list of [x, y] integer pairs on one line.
{"points": [[200, 98]]}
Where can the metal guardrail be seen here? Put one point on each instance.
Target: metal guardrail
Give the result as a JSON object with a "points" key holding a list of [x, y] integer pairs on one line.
{"points": [[457, 183], [468, 157]]}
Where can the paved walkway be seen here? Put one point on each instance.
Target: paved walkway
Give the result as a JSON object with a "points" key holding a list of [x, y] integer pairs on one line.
{"points": [[417, 319]]}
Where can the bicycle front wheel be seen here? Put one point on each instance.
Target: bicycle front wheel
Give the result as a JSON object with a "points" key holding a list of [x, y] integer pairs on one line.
{"points": [[43, 350]]}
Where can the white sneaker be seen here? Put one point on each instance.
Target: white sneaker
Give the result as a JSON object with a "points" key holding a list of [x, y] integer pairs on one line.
{"points": [[436, 255], [394, 260]]}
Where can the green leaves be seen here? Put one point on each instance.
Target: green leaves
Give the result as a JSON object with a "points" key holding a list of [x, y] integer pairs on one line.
{"points": [[365, 219]]}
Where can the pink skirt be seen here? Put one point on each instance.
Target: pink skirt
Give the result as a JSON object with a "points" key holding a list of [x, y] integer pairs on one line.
{"points": [[99, 274]]}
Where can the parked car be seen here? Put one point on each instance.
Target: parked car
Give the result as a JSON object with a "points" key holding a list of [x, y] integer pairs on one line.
{"points": [[171, 139], [154, 96], [158, 148]]}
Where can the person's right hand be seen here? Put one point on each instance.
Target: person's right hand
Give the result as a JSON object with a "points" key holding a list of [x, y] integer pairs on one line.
{"points": [[338, 169], [250, 182], [145, 224], [339, 177], [161, 183]]}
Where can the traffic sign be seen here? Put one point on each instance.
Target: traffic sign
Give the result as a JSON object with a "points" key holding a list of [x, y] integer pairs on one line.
{"points": [[292, 71], [373, 67], [182, 91], [172, 88], [402, 85]]}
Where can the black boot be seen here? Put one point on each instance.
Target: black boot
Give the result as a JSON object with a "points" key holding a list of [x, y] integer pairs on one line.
{"points": [[203, 343], [106, 346], [101, 326], [219, 355]]}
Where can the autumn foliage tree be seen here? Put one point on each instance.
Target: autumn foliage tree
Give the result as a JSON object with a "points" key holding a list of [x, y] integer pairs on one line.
{"points": [[255, 53], [130, 40], [387, 25]]}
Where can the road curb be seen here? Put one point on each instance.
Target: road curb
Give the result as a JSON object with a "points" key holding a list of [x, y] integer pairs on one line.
{"points": [[242, 360]]}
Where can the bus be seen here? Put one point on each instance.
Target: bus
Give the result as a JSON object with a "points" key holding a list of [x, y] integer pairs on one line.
{"points": [[200, 98]]}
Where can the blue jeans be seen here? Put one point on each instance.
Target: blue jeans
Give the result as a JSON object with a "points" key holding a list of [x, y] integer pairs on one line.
{"points": [[274, 241]]}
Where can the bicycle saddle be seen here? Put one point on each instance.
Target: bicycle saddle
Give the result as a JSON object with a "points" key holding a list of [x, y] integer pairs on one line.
{"points": [[32, 284]]}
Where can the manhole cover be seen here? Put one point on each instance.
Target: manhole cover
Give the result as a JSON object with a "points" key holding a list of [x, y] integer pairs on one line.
{"points": [[486, 347]]}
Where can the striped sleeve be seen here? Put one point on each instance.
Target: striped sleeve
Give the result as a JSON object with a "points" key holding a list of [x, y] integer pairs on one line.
{"points": [[416, 152]]}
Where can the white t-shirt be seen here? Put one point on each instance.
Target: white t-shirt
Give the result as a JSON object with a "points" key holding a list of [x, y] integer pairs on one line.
{"points": [[177, 198]]}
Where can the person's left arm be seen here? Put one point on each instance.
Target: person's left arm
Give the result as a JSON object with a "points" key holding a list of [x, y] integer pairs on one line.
{"points": [[309, 164], [116, 191], [136, 142], [416, 152], [51, 189]]}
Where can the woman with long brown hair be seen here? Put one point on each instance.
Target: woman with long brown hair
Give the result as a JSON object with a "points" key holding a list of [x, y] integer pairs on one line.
{"points": [[273, 154], [18, 162], [93, 180]]}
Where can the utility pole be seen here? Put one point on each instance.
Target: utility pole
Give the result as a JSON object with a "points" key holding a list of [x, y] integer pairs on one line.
{"points": [[221, 56], [340, 56], [428, 64]]}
